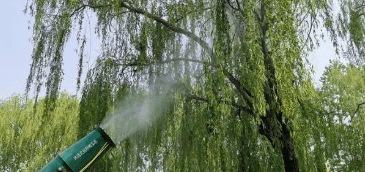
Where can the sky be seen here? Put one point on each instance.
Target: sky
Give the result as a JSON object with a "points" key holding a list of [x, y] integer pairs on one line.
{"points": [[16, 49]]}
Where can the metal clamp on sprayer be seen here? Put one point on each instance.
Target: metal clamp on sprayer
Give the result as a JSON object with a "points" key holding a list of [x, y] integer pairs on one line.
{"points": [[82, 154]]}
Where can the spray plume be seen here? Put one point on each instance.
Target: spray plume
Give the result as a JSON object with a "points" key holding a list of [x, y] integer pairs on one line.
{"points": [[136, 112]]}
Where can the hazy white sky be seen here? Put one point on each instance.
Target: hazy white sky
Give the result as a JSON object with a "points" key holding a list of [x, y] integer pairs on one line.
{"points": [[16, 49]]}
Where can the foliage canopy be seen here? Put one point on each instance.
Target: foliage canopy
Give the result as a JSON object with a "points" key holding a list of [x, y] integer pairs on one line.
{"points": [[241, 89]]}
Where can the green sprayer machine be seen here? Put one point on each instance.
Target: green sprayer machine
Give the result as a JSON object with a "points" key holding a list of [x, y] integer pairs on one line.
{"points": [[82, 154]]}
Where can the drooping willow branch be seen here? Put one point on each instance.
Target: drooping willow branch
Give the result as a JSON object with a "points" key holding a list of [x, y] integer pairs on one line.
{"points": [[247, 96]]}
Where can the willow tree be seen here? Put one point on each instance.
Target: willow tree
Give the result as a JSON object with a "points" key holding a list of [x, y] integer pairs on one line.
{"points": [[235, 61]]}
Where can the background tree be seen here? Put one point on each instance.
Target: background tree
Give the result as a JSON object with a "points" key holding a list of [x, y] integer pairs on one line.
{"points": [[25, 143], [351, 28], [342, 106]]}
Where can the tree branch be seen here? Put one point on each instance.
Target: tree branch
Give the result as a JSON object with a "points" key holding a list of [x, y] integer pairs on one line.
{"points": [[247, 96], [137, 63], [238, 8], [169, 25], [190, 12], [234, 104], [83, 6], [358, 107]]}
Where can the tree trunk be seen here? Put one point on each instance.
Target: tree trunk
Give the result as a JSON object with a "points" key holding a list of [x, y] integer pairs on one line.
{"points": [[274, 129], [242, 153], [287, 149], [273, 126]]}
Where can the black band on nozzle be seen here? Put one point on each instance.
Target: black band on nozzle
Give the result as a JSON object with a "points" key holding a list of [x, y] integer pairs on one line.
{"points": [[105, 136]]}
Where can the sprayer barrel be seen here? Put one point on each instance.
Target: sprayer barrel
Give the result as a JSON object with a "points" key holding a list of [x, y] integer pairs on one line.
{"points": [[82, 154]]}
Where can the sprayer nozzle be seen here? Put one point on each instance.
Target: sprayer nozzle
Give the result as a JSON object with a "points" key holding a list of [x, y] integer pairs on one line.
{"points": [[106, 136]]}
